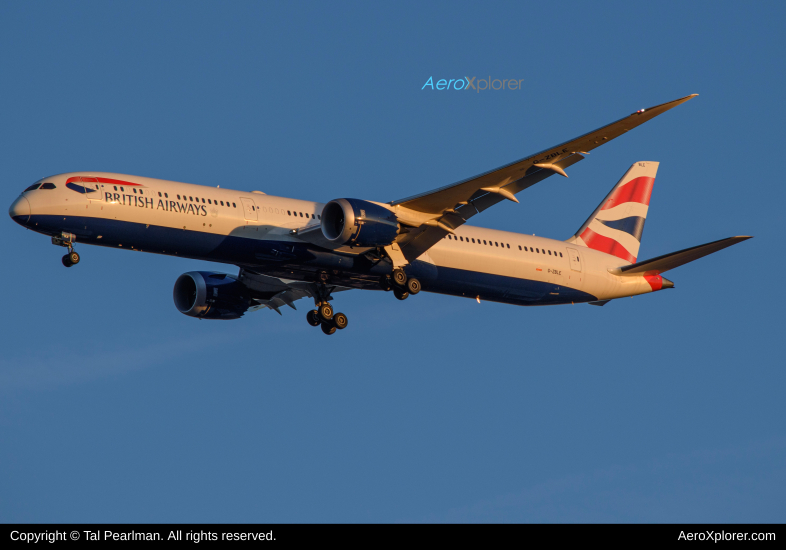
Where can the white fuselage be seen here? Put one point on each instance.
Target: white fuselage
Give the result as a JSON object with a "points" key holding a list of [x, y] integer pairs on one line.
{"points": [[239, 227]]}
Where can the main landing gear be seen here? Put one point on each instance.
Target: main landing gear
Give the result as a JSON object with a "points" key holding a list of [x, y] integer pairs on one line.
{"points": [[400, 284], [67, 240], [323, 316]]}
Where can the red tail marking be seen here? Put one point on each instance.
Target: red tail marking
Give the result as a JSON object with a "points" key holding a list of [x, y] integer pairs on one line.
{"points": [[655, 281], [636, 190], [607, 245]]}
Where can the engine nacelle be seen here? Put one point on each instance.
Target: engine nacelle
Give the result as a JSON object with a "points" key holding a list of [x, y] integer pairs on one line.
{"points": [[353, 222], [211, 295]]}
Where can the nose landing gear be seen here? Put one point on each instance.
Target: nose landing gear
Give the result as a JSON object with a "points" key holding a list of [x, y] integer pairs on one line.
{"points": [[67, 240], [72, 258]]}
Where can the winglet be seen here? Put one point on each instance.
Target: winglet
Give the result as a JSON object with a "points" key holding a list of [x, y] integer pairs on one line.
{"points": [[668, 105]]}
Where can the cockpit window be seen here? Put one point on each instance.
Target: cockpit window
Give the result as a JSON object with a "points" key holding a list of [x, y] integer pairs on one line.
{"points": [[32, 187], [48, 186]]}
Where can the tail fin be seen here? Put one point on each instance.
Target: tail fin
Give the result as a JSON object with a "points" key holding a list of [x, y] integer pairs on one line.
{"points": [[616, 225]]}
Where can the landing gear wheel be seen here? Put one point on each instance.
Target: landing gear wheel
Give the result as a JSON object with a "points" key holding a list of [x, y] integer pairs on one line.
{"points": [[340, 321], [328, 328], [67, 260], [399, 277], [385, 284], [400, 294], [323, 276], [413, 286], [326, 313], [313, 318], [73, 257]]}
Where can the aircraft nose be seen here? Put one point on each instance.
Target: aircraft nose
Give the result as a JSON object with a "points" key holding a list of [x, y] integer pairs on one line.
{"points": [[20, 210]]}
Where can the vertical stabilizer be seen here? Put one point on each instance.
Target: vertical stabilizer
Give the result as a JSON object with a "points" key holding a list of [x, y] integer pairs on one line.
{"points": [[616, 225]]}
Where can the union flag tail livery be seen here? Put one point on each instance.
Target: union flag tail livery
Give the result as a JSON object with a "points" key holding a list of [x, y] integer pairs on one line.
{"points": [[616, 225]]}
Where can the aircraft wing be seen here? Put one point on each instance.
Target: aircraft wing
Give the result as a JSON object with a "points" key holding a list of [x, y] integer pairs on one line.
{"points": [[435, 213], [274, 293]]}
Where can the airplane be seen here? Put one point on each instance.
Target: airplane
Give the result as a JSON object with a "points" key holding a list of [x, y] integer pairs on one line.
{"points": [[288, 249]]}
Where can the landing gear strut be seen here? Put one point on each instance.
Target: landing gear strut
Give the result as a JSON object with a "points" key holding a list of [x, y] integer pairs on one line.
{"points": [[324, 316], [67, 240]]}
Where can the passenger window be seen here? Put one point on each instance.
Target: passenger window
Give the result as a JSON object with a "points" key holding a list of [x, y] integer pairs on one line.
{"points": [[134, 189], [122, 190], [115, 187], [537, 250], [507, 245], [191, 199], [159, 193], [166, 195], [234, 205], [549, 252], [301, 214], [222, 203], [461, 239], [496, 244], [203, 201], [319, 216], [289, 213], [313, 217], [560, 254], [208, 201], [48, 186]]}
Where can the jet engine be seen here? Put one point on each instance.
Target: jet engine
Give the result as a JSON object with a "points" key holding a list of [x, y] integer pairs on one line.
{"points": [[354, 222], [211, 295]]}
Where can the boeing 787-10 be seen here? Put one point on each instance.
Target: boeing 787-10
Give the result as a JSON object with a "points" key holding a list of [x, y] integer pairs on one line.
{"points": [[287, 249]]}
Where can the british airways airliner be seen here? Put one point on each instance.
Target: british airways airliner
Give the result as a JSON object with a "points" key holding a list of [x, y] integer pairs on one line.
{"points": [[287, 249]]}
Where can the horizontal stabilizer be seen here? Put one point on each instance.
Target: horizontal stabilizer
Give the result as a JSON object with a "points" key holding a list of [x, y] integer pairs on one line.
{"points": [[666, 262]]}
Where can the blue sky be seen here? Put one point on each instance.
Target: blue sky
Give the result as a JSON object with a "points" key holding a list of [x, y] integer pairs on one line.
{"points": [[668, 407]]}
